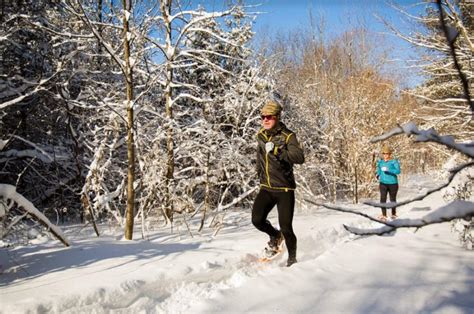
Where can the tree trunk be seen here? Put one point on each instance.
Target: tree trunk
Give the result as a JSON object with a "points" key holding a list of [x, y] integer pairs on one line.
{"points": [[356, 186], [99, 29], [166, 11], [2, 14], [169, 146], [87, 206], [207, 196], [130, 139]]}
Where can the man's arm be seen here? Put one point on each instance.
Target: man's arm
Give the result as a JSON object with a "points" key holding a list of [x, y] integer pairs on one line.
{"points": [[292, 152]]}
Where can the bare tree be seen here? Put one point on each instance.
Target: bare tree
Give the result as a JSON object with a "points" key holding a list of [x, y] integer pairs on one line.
{"points": [[185, 58], [442, 96], [127, 5], [457, 209], [38, 153]]}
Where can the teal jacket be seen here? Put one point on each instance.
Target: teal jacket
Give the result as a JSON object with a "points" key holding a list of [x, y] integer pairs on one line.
{"points": [[390, 172]]}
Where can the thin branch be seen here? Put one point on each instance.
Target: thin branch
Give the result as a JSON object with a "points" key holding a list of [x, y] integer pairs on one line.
{"points": [[453, 173], [455, 210], [451, 41], [102, 41], [347, 210], [429, 135]]}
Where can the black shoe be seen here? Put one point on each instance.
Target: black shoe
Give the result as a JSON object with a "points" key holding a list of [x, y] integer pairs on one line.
{"points": [[275, 243], [291, 261]]}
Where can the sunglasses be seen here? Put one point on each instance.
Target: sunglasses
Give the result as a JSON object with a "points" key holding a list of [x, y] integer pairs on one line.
{"points": [[267, 117]]}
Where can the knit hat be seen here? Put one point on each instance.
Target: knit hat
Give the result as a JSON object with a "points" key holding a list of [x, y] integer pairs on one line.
{"points": [[386, 149], [271, 108]]}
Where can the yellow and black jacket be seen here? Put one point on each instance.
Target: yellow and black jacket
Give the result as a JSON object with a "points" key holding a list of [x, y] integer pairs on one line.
{"points": [[275, 169]]}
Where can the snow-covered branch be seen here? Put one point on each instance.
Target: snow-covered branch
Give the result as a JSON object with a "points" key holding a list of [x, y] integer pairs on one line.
{"points": [[8, 192], [451, 35], [188, 96], [453, 173], [237, 199], [202, 16], [346, 210], [429, 135], [455, 210], [205, 61], [102, 41], [39, 87]]}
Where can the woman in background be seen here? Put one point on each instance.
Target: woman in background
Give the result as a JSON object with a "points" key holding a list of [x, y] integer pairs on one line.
{"points": [[387, 171]]}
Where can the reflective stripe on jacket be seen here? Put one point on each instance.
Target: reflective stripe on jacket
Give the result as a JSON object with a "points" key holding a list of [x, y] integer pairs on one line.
{"points": [[275, 169]]}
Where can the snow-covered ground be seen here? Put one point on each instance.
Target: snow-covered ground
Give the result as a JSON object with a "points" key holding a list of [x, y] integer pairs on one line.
{"points": [[405, 272]]}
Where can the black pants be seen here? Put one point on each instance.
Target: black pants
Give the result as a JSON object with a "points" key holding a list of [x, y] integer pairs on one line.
{"points": [[285, 201], [392, 190]]}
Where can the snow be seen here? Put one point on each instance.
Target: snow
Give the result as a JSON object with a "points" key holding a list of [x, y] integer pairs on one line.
{"points": [[133, 61], [127, 14], [406, 271], [3, 143], [31, 153], [170, 52]]}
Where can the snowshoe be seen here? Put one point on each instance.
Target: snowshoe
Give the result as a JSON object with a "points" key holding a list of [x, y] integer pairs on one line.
{"points": [[276, 243], [273, 249]]}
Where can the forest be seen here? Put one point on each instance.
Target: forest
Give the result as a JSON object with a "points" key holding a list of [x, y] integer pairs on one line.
{"points": [[143, 114]]}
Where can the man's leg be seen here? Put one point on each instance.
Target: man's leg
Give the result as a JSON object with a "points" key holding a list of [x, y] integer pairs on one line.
{"points": [[286, 209], [262, 206]]}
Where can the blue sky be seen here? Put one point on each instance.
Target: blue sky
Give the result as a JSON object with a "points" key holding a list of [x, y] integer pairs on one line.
{"points": [[339, 14], [281, 16]]}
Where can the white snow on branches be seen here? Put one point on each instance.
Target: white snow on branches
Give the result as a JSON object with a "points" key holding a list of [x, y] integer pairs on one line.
{"points": [[8, 192], [3, 143], [127, 14], [429, 135], [445, 213]]}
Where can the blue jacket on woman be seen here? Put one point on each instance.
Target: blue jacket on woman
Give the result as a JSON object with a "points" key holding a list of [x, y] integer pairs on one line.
{"points": [[389, 176]]}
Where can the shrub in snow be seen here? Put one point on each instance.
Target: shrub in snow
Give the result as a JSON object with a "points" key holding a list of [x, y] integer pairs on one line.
{"points": [[462, 189], [465, 230]]}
